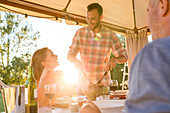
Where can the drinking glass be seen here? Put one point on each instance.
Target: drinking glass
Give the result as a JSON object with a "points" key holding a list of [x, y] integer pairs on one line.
{"points": [[50, 91], [113, 85]]}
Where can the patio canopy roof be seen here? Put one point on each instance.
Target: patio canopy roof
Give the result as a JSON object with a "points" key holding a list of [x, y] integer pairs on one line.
{"points": [[119, 15]]}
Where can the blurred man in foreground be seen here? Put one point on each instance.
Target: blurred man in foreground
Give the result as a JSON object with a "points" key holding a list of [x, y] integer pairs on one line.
{"points": [[149, 83]]}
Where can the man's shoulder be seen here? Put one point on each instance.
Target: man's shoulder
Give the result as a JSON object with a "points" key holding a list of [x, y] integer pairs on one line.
{"points": [[163, 42], [83, 28], [107, 30], [160, 43], [160, 46]]}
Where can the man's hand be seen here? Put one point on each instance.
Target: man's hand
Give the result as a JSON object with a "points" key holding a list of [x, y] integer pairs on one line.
{"points": [[90, 108], [78, 64], [111, 64]]}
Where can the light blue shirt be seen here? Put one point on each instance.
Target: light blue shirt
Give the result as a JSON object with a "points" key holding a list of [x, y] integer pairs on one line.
{"points": [[149, 81]]}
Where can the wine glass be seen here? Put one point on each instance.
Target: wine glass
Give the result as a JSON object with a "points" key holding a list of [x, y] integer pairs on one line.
{"points": [[50, 91], [113, 85]]}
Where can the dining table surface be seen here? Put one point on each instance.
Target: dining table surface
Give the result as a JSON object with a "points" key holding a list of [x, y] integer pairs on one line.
{"points": [[15, 102], [105, 106]]}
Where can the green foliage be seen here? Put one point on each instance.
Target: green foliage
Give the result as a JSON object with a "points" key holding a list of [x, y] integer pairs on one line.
{"points": [[1, 103], [17, 41], [122, 39], [116, 73]]}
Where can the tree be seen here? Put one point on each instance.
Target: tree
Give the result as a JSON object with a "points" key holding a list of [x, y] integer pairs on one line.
{"points": [[17, 41]]}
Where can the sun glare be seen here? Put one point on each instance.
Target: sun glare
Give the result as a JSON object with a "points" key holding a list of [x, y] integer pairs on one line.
{"points": [[70, 74]]}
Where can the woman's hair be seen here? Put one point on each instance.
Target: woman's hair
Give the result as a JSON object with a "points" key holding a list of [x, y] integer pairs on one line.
{"points": [[38, 57]]}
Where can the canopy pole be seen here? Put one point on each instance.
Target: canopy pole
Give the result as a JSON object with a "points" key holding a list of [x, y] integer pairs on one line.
{"points": [[65, 9], [134, 16]]}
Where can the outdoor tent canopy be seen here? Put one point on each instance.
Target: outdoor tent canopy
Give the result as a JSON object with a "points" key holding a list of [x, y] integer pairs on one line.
{"points": [[119, 15], [124, 16]]}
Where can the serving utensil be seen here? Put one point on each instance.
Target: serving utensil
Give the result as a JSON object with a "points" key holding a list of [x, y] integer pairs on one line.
{"points": [[98, 81], [94, 90], [102, 78]]}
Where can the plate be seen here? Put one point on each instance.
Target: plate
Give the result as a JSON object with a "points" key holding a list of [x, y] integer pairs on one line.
{"points": [[121, 94], [102, 104], [64, 101], [61, 102]]}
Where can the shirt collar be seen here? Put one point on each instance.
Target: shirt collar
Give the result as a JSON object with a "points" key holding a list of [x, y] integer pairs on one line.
{"points": [[93, 32]]}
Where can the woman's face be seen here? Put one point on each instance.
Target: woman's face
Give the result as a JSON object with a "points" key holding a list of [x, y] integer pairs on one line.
{"points": [[51, 59]]}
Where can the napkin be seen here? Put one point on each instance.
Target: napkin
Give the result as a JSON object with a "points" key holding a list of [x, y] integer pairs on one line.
{"points": [[57, 111]]}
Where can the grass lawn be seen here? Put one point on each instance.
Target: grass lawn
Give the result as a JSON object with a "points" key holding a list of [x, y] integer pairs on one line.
{"points": [[1, 104]]}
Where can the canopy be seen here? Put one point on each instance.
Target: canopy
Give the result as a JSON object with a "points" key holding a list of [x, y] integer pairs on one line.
{"points": [[124, 16], [119, 15]]}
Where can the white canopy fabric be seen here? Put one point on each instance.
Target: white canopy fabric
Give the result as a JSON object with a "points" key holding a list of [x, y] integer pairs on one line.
{"points": [[119, 15], [134, 43]]}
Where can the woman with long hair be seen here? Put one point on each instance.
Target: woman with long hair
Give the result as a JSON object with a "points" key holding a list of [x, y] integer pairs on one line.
{"points": [[44, 62]]}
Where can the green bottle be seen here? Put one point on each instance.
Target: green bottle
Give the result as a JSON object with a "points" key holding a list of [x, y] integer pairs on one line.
{"points": [[31, 93]]}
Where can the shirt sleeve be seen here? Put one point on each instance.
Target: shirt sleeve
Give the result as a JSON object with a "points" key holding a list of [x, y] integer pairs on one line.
{"points": [[74, 48], [117, 47], [149, 82]]}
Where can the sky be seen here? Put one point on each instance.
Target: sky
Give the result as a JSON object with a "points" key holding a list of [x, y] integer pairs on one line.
{"points": [[57, 37]]}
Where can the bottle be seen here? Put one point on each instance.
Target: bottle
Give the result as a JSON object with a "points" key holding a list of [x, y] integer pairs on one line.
{"points": [[31, 93]]}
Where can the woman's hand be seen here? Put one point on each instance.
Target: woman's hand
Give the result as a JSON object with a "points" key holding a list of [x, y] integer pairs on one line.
{"points": [[90, 108]]}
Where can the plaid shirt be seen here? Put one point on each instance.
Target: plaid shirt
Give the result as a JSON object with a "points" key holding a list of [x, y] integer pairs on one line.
{"points": [[95, 50]]}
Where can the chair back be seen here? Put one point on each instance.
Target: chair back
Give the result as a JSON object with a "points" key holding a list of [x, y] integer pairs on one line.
{"points": [[13, 99]]}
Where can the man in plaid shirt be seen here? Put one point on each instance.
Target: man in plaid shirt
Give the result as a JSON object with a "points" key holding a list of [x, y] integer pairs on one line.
{"points": [[95, 43]]}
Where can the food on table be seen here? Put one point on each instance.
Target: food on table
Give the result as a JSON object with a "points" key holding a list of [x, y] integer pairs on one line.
{"points": [[95, 90]]}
